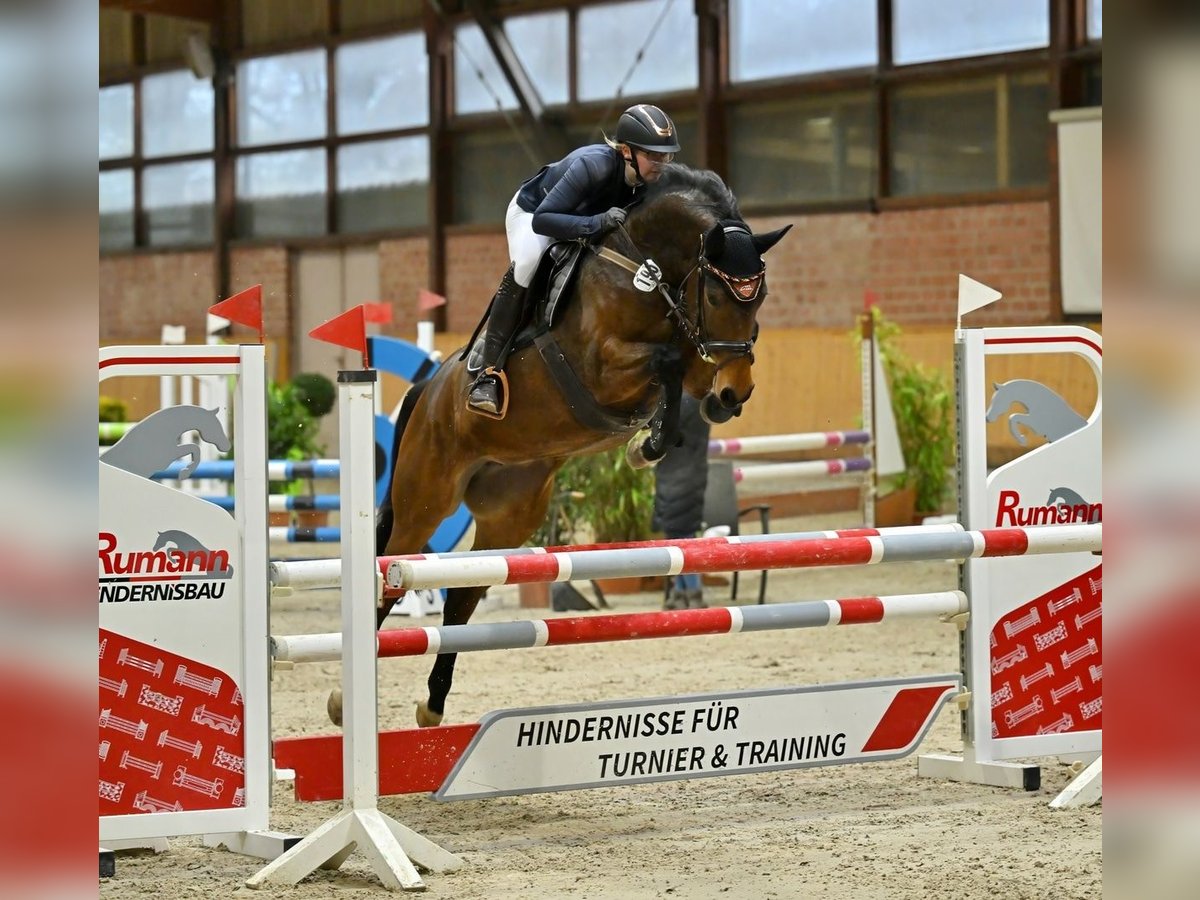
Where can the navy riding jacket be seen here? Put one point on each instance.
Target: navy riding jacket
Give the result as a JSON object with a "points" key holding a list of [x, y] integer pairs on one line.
{"points": [[568, 197]]}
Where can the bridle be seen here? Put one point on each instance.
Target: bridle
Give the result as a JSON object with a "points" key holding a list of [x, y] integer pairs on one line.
{"points": [[648, 277]]}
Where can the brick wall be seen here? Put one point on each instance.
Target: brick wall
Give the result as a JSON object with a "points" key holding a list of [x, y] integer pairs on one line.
{"points": [[141, 292], [403, 272], [911, 259], [474, 265], [269, 267], [818, 273]]}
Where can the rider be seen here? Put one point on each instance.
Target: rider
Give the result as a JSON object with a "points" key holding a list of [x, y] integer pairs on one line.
{"points": [[583, 195]]}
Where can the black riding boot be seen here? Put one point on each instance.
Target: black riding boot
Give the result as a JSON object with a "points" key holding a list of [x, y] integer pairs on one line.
{"points": [[505, 317]]}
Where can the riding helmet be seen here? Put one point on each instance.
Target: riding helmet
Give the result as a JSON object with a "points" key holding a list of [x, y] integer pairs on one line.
{"points": [[649, 128]]}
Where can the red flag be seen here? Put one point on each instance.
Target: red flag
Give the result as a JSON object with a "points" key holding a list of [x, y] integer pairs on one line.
{"points": [[347, 330], [245, 308], [870, 299], [379, 313], [427, 300]]}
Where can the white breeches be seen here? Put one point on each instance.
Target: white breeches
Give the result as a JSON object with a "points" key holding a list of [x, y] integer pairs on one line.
{"points": [[525, 246]]}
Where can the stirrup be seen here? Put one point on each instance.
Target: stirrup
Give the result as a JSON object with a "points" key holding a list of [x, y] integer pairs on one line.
{"points": [[501, 381]]}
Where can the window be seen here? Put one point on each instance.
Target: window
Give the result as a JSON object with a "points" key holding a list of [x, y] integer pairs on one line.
{"points": [[804, 151], [611, 36], [281, 194], [281, 98], [541, 43], [770, 40], [382, 85], [178, 200], [116, 121], [926, 30], [116, 209], [1095, 20], [977, 135], [479, 85], [177, 114], [383, 184], [489, 166]]}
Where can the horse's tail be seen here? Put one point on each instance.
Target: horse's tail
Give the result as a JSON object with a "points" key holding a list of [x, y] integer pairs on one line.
{"points": [[383, 521]]}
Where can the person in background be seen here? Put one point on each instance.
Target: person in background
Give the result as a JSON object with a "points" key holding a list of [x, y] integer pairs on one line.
{"points": [[679, 483], [582, 196]]}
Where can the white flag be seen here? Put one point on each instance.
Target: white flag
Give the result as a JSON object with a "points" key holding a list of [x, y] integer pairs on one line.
{"points": [[974, 295]]}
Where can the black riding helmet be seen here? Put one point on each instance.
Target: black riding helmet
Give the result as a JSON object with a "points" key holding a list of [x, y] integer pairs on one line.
{"points": [[648, 128]]}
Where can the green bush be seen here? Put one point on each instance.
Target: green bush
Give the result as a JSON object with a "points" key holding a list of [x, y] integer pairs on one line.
{"points": [[601, 494], [316, 392], [112, 410], [291, 428]]}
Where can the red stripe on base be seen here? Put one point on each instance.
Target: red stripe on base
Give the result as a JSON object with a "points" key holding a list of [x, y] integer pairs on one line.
{"points": [[833, 439], [403, 642], [410, 761], [531, 567], [636, 626], [902, 721], [1004, 542], [861, 610]]}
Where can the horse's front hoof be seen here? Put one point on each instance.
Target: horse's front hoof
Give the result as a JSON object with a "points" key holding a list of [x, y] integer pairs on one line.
{"points": [[426, 717], [334, 706], [635, 452]]}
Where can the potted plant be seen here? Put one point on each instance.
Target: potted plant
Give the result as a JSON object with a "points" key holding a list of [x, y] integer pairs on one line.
{"points": [[601, 499], [923, 405], [293, 434]]}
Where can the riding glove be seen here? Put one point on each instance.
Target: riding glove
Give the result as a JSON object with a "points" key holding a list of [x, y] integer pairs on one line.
{"points": [[614, 218]]}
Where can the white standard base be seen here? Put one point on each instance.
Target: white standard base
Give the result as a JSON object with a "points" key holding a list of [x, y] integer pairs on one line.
{"points": [[1022, 776], [259, 844], [1085, 789], [157, 844], [391, 848]]}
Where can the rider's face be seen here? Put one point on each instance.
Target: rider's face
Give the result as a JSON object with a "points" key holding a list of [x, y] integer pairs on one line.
{"points": [[650, 163]]}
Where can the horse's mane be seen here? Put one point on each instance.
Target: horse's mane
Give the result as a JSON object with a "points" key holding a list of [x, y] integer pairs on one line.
{"points": [[699, 188]]}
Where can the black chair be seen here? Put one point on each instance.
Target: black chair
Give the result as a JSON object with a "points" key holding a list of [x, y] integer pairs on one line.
{"points": [[721, 509]]}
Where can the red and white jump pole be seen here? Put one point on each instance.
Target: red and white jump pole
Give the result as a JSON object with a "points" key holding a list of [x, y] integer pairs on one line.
{"points": [[628, 626], [325, 574], [408, 574]]}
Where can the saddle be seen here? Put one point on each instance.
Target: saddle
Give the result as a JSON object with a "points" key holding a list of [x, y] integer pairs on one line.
{"points": [[545, 300]]}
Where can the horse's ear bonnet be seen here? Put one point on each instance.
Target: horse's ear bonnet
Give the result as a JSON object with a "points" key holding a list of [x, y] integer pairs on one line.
{"points": [[729, 246]]}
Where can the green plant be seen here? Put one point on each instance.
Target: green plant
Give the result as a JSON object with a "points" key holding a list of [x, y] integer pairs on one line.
{"points": [[923, 404], [601, 498], [291, 428], [112, 410], [316, 392]]}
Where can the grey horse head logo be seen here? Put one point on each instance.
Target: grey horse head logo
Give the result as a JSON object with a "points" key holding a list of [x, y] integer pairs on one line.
{"points": [[1046, 413], [183, 542], [1062, 496], [157, 441]]}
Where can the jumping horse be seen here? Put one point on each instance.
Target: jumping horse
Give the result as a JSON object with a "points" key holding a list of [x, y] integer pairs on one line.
{"points": [[665, 303]]}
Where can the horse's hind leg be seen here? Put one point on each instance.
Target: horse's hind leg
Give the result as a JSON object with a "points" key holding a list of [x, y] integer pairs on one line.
{"points": [[509, 503]]}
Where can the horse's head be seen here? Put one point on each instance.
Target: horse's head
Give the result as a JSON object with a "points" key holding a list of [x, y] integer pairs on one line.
{"points": [[713, 281], [212, 431], [731, 286]]}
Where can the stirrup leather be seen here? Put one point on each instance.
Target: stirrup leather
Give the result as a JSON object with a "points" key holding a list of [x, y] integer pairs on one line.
{"points": [[502, 382]]}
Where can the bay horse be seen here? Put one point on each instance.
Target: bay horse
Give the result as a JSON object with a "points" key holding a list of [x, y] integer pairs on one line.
{"points": [[632, 337]]}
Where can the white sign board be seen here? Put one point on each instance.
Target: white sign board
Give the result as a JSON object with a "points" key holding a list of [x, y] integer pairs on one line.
{"points": [[700, 736]]}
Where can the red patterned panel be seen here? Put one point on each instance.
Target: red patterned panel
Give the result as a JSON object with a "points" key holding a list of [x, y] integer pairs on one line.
{"points": [[1046, 662], [171, 732]]}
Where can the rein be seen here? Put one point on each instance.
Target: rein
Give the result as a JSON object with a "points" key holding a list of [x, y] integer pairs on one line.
{"points": [[648, 277]]}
